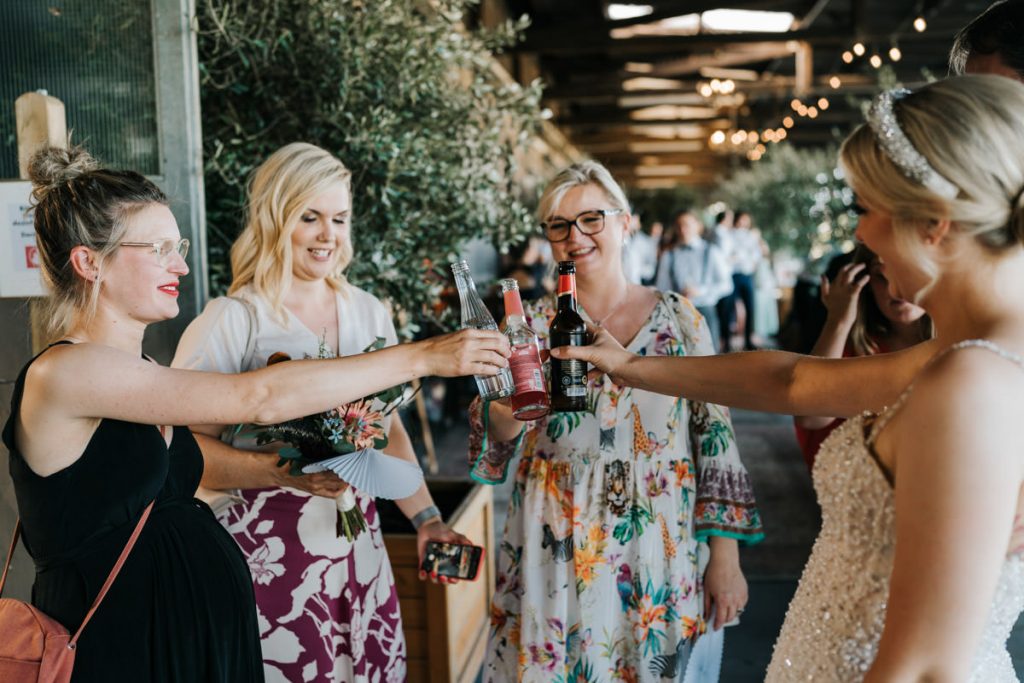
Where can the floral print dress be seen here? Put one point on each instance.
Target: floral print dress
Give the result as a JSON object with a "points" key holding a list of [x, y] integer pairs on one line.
{"points": [[327, 607], [601, 566]]}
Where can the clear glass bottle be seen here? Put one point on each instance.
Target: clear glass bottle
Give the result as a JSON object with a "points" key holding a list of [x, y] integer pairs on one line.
{"points": [[476, 316], [530, 400]]}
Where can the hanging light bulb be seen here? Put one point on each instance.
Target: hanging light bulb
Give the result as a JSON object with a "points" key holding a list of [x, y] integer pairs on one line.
{"points": [[876, 61], [812, 112], [780, 134], [718, 137], [788, 122], [706, 90], [835, 82], [796, 104], [920, 24], [823, 104], [847, 56], [859, 49], [895, 54]]}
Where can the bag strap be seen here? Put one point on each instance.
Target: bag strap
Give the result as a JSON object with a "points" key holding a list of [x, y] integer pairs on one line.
{"points": [[113, 572], [110, 577], [10, 554], [250, 341]]}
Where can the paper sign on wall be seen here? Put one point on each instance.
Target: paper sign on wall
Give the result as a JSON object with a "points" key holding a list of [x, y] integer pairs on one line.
{"points": [[19, 257]]}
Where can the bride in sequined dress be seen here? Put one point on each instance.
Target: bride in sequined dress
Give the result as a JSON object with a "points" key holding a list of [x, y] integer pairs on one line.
{"points": [[918, 572]]}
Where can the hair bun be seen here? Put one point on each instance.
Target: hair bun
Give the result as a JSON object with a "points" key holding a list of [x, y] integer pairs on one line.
{"points": [[52, 167]]}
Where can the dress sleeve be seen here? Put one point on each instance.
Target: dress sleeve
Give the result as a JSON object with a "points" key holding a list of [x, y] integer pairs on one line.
{"points": [[217, 339], [725, 497], [489, 458]]}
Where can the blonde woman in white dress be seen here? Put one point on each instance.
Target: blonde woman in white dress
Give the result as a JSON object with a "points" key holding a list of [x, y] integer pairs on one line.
{"points": [[918, 571], [328, 606]]}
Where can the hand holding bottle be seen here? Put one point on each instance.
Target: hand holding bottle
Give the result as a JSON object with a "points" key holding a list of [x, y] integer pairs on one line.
{"points": [[466, 352], [604, 352]]}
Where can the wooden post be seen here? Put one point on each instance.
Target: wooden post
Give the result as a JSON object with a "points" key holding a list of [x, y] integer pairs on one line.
{"points": [[40, 122]]}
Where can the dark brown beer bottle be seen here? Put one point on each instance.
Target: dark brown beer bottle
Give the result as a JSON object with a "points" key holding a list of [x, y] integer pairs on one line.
{"points": [[568, 377]]}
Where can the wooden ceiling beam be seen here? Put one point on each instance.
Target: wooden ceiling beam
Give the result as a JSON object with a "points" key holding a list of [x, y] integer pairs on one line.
{"points": [[622, 118], [646, 47]]}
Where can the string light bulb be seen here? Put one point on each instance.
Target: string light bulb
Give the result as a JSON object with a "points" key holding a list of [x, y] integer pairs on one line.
{"points": [[848, 57], [859, 49], [823, 104], [876, 61], [835, 82], [812, 112], [796, 104], [788, 122], [718, 137], [895, 54], [920, 24]]}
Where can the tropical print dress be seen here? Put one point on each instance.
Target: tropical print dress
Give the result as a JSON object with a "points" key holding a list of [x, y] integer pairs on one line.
{"points": [[601, 566], [327, 607]]}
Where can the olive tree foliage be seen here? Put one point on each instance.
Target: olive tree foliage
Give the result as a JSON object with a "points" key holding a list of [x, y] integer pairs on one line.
{"points": [[797, 197], [402, 94]]}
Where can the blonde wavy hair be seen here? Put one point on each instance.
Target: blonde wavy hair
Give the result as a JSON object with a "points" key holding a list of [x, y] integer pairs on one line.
{"points": [[969, 129], [279, 191]]}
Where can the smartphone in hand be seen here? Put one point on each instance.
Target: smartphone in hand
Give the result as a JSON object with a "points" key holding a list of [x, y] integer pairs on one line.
{"points": [[453, 560]]}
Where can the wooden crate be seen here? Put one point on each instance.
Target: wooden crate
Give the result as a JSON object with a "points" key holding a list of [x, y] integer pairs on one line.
{"points": [[446, 627]]}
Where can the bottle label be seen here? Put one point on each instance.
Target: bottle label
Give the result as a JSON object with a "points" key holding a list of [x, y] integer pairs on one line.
{"points": [[525, 365], [573, 378], [513, 303], [567, 285]]}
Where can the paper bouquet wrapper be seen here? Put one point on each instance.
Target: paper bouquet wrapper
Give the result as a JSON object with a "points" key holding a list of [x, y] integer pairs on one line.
{"points": [[373, 473]]}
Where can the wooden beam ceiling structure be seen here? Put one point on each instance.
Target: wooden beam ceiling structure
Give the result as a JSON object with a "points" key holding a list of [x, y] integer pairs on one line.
{"points": [[628, 91]]}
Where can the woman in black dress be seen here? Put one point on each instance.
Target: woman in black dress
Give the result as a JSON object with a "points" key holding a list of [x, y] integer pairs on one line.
{"points": [[88, 454]]}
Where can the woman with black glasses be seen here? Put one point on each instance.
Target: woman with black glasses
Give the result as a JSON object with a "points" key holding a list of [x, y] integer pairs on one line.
{"points": [[605, 571]]}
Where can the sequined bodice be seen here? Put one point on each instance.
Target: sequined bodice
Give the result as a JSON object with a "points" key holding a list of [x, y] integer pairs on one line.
{"points": [[835, 620]]}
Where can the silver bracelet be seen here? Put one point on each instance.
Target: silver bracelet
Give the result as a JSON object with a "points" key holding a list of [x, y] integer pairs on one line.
{"points": [[425, 515]]}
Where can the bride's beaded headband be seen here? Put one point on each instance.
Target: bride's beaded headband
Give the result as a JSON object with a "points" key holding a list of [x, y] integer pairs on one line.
{"points": [[900, 150]]}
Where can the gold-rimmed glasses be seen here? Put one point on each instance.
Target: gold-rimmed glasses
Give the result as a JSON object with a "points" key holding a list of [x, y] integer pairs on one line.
{"points": [[162, 248]]}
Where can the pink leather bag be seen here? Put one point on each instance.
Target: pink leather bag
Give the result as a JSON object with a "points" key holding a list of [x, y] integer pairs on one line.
{"points": [[34, 648]]}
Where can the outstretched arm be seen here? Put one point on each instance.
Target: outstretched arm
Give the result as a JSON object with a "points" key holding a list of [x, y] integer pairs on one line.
{"points": [[840, 299], [71, 387], [768, 381]]}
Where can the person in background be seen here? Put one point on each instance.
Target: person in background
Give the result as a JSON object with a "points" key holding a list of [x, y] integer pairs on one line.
{"points": [[745, 254], [991, 43], [640, 252], [328, 605], [863, 319], [697, 270], [766, 296], [721, 234], [624, 521]]}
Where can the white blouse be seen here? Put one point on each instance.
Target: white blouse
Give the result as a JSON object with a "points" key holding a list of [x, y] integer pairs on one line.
{"points": [[218, 339]]}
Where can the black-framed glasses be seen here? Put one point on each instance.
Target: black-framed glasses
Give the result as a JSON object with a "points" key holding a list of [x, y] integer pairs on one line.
{"points": [[588, 222], [163, 249]]}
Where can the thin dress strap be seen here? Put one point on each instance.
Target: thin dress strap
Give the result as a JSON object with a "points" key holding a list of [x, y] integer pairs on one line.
{"points": [[887, 414]]}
